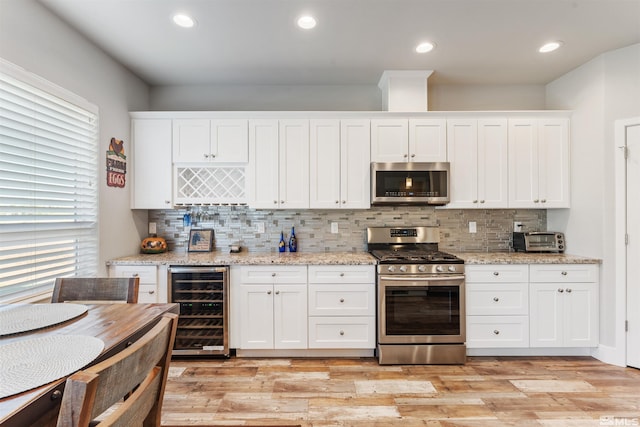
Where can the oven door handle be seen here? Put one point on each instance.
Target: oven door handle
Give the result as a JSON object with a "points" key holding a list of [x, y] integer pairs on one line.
{"points": [[422, 279]]}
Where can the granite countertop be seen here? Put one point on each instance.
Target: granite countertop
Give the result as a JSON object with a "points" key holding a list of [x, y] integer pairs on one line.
{"points": [[248, 258], [478, 258], [334, 258]]}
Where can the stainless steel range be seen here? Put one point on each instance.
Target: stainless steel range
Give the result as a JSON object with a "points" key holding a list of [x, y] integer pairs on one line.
{"points": [[421, 297]]}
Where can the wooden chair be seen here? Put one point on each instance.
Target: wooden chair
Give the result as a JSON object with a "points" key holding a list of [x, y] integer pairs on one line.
{"points": [[92, 289], [138, 372]]}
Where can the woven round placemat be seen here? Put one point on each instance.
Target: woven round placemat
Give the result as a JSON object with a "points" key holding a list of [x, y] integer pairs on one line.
{"points": [[27, 317], [33, 362]]}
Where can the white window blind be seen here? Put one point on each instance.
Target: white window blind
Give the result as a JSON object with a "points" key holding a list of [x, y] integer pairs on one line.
{"points": [[48, 188]]}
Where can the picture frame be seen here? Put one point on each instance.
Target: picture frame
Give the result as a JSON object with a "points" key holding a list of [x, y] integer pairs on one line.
{"points": [[200, 240]]}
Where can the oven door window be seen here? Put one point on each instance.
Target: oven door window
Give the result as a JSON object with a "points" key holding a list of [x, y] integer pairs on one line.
{"points": [[424, 310]]}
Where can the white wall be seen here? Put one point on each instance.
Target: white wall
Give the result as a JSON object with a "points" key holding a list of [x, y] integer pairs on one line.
{"points": [[339, 98], [600, 91], [34, 39]]}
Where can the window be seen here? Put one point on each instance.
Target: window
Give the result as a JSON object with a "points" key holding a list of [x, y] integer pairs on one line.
{"points": [[48, 184]]}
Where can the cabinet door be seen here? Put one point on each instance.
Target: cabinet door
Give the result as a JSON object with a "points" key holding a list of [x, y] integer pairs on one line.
{"points": [[290, 316], [492, 163], [553, 168], [229, 141], [389, 140], [462, 152], [427, 140], [151, 187], [523, 164], [262, 172], [256, 306], [546, 317], [581, 315], [191, 140], [355, 164], [324, 164], [294, 164]]}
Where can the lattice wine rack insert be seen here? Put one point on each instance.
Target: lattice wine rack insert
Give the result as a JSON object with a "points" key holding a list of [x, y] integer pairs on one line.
{"points": [[218, 185]]}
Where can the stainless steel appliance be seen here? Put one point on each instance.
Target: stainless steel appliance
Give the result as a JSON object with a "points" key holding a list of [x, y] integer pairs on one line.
{"points": [[202, 293], [423, 183], [539, 241], [421, 297]]}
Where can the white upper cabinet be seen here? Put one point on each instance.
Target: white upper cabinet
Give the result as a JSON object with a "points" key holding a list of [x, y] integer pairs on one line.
{"points": [[477, 151], [408, 140], [339, 164], [203, 140], [278, 172], [151, 153], [539, 163], [427, 140]]}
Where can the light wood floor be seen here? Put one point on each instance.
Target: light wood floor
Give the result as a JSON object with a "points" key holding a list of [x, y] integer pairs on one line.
{"points": [[487, 391]]}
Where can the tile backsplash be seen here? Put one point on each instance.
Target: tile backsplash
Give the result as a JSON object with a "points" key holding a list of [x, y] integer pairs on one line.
{"points": [[240, 225]]}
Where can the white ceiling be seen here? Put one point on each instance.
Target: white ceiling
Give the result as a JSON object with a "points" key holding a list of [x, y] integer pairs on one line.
{"points": [[248, 42]]}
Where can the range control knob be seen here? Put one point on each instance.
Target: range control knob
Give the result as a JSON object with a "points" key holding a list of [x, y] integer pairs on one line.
{"points": [[391, 269], [439, 268], [452, 268], [422, 268], [403, 268]]}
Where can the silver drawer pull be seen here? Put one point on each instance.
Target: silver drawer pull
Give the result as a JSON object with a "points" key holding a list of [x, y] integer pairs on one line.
{"points": [[496, 273], [564, 273], [561, 290], [152, 292], [496, 299], [341, 299], [341, 332], [568, 290], [496, 332]]}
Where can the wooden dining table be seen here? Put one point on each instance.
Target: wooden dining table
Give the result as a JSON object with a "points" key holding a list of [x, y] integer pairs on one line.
{"points": [[117, 325]]}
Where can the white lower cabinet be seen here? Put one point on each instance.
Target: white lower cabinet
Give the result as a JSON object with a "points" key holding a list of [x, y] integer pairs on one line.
{"points": [[153, 283], [564, 305], [342, 307], [497, 306], [272, 307]]}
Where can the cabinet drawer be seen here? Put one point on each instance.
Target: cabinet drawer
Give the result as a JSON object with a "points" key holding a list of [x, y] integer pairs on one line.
{"points": [[275, 274], [147, 294], [564, 273], [497, 273], [497, 331], [497, 299], [147, 273], [341, 300], [342, 332], [341, 274]]}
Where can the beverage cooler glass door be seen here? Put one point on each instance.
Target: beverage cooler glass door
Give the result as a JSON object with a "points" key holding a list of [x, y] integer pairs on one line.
{"points": [[202, 293]]}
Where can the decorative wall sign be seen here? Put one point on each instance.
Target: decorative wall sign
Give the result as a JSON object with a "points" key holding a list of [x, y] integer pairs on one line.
{"points": [[201, 240], [116, 164]]}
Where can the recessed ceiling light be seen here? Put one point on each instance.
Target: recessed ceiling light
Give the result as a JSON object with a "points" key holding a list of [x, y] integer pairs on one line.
{"points": [[306, 22], [183, 20], [425, 47], [550, 47]]}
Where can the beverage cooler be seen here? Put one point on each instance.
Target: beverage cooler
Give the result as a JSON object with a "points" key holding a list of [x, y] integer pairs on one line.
{"points": [[203, 296]]}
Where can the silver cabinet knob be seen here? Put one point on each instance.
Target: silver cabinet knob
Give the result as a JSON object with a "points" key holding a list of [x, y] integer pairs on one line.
{"points": [[337, 202], [273, 274], [496, 299], [413, 155], [536, 200], [341, 332], [206, 156], [481, 201], [275, 202], [341, 299], [568, 290], [152, 292], [496, 273], [277, 292], [475, 201], [496, 332], [344, 202], [543, 201], [282, 202], [341, 274], [167, 202], [268, 292], [561, 290], [564, 273], [405, 156]]}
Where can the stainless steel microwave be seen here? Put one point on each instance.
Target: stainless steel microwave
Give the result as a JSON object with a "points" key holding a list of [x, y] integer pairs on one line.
{"points": [[410, 183]]}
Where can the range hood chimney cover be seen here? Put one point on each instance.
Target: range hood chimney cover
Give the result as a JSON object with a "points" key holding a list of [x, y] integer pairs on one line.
{"points": [[404, 90]]}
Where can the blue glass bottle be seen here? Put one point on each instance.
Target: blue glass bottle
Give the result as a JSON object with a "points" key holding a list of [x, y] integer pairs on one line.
{"points": [[293, 241], [282, 245]]}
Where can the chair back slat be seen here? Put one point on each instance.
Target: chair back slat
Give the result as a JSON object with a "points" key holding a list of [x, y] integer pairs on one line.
{"points": [[139, 372], [96, 289]]}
